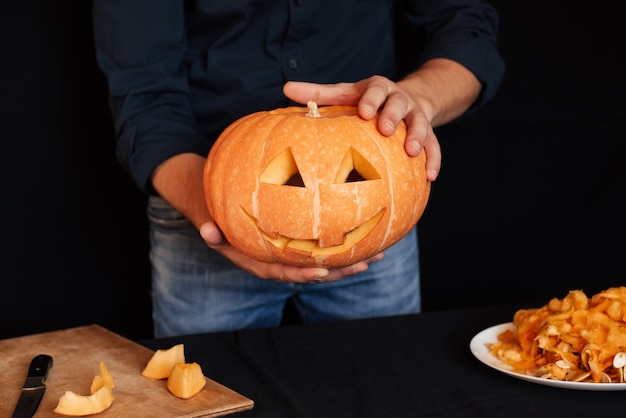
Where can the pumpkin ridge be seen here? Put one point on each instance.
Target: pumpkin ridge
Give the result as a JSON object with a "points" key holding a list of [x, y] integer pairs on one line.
{"points": [[263, 239], [317, 205], [277, 119], [390, 183]]}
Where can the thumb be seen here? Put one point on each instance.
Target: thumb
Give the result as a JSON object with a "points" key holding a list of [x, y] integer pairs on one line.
{"points": [[211, 234]]}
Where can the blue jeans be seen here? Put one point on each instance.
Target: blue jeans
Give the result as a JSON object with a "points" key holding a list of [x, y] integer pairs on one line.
{"points": [[195, 289]]}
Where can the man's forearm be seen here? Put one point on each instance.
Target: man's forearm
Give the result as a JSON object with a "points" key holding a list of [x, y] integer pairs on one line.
{"points": [[179, 181], [444, 88]]}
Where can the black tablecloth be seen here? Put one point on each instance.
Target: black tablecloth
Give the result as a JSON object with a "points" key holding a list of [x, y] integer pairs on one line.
{"points": [[404, 366]]}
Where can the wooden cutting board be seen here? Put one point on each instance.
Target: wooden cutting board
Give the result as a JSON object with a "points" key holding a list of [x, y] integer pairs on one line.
{"points": [[77, 353]]}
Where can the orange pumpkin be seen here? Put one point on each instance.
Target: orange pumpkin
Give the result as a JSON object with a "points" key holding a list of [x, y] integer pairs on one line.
{"points": [[317, 188]]}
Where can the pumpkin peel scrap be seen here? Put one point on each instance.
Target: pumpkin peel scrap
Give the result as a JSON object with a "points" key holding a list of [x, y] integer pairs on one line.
{"points": [[313, 191], [99, 399]]}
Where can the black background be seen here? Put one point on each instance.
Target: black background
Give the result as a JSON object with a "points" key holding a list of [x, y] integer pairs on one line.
{"points": [[530, 202]]}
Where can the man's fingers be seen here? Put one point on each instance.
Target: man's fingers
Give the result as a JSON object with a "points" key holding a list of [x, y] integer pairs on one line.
{"points": [[323, 94]]}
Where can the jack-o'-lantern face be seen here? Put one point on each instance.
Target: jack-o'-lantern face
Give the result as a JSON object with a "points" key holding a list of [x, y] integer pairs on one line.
{"points": [[282, 181], [325, 191]]}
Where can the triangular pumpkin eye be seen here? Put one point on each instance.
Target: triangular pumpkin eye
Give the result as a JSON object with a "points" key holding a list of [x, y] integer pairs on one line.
{"points": [[282, 170], [355, 167]]}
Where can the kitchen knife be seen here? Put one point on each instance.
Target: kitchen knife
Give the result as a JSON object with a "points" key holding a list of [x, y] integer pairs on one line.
{"points": [[34, 387]]}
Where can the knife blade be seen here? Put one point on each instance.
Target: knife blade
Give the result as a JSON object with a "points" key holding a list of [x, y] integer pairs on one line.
{"points": [[34, 387]]}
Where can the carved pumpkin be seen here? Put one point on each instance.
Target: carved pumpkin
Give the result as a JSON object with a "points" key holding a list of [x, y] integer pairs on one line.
{"points": [[328, 190]]}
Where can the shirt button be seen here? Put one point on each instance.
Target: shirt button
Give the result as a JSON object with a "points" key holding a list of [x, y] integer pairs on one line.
{"points": [[293, 64]]}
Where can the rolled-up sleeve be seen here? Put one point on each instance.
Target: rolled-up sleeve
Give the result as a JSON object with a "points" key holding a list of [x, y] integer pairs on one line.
{"points": [[140, 48], [465, 31]]}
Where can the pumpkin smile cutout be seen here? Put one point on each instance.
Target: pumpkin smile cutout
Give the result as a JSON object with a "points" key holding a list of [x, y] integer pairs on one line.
{"points": [[317, 188]]}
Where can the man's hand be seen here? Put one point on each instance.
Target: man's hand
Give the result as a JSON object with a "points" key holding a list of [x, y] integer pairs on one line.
{"points": [[436, 93]]}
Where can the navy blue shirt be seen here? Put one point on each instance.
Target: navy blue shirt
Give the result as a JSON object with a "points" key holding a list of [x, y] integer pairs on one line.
{"points": [[179, 71]]}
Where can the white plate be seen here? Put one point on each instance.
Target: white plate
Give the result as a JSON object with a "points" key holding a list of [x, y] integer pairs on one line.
{"points": [[490, 335]]}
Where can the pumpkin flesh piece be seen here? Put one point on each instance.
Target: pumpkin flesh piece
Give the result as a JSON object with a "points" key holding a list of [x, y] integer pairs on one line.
{"points": [[186, 380], [73, 404], [162, 362]]}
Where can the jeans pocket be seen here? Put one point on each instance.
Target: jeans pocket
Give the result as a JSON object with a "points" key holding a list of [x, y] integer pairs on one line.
{"points": [[162, 215]]}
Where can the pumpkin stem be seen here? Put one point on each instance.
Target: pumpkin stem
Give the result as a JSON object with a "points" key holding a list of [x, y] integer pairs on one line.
{"points": [[312, 110]]}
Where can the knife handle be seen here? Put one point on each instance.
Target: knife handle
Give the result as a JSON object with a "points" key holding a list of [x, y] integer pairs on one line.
{"points": [[38, 370]]}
